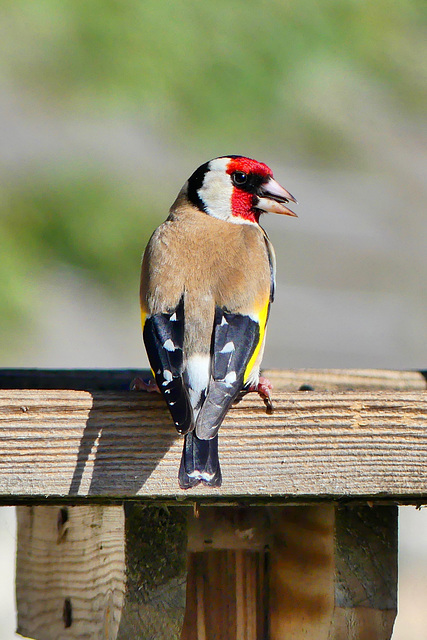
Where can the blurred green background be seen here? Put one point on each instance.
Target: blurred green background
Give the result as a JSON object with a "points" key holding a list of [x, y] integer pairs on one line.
{"points": [[106, 107]]}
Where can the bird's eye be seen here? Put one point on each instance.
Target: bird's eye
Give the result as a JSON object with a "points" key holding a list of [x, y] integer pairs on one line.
{"points": [[239, 178]]}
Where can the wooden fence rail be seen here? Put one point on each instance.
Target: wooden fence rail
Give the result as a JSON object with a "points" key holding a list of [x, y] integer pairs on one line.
{"points": [[299, 542]]}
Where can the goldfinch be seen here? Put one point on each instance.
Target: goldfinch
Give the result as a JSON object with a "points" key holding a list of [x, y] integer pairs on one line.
{"points": [[207, 282]]}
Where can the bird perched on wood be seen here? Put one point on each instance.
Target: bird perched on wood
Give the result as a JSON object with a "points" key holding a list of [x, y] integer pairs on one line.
{"points": [[207, 282]]}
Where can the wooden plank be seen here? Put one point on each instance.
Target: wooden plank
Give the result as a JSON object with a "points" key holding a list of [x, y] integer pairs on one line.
{"points": [[307, 572], [315, 445], [226, 587], [282, 379], [346, 379], [302, 572]]}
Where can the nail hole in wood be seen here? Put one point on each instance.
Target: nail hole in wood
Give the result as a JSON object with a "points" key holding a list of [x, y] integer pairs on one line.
{"points": [[67, 613], [62, 517], [61, 525]]}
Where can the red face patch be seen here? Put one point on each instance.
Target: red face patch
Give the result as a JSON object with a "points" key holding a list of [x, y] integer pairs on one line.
{"points": [[242, 201], [242, 205], [248, 166]]}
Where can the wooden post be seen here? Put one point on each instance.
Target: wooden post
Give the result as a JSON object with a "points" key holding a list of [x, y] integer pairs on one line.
{"points": [[333, 573], [84, 574], [156, 573], [366, 546], [70, 577], [292, 573], [227, 564]]}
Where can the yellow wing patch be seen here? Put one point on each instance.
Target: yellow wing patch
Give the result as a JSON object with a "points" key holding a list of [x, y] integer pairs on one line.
{"points": [[262, 320], [143, 317]]}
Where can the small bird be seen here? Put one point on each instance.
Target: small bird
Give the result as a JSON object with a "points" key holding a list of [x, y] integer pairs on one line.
{"points": [[207, 282]]}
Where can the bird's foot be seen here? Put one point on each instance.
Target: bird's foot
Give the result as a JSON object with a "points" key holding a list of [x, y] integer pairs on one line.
{"points": [[263, 388], [139, 384]]}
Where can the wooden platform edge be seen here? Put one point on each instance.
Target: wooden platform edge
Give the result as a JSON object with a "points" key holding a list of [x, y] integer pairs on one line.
{"points": [[116, 445]]}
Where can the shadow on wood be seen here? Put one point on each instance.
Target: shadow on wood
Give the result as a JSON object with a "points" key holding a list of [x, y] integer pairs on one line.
{"points": [[113, 442]]}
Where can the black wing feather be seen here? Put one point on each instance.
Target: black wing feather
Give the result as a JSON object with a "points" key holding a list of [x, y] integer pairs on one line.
{"points": [[235, 338], [163, 338]]}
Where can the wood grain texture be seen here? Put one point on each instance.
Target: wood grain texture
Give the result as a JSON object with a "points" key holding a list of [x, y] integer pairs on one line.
{"points": [[227, 595], [314, 572], [302, 572], [118, 444], [86, 573], [333, 572], [282, 379], [366, 548], [70, 572], [347, 379]]}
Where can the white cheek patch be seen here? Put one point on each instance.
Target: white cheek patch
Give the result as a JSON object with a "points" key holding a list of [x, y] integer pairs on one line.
{"points": [[217, 190]]}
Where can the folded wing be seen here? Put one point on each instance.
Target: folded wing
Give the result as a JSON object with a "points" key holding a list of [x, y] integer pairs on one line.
{"points": [[235, 338], [163, 338]]}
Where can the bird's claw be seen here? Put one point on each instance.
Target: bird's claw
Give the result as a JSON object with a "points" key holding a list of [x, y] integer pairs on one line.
{"points": [[148, 385], [263, 388]]}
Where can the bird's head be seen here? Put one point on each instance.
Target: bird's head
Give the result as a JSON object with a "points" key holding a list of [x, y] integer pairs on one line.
{"points": [[237, 189]]}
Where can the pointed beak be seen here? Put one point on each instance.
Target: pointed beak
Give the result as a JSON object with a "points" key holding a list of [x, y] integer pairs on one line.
{"points": [[272, 198]]}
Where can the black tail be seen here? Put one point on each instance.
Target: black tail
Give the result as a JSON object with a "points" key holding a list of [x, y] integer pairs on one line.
{"points": [[199, 462]]}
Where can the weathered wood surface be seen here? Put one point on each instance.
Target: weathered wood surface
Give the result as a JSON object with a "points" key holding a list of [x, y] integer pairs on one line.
{"points": [[309, 572], [117, 444], [366, 544], [70, 572], [313, 572], [87, 573], [227, 592], [333, 573], [282, 379], [156, 573], [347, 379]]}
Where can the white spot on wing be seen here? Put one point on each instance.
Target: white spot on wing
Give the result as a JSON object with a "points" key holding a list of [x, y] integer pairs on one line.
{"points": [[167, 377], [223, 321], [173, 317], [228, 348], [169, 345], [230, 378]]}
